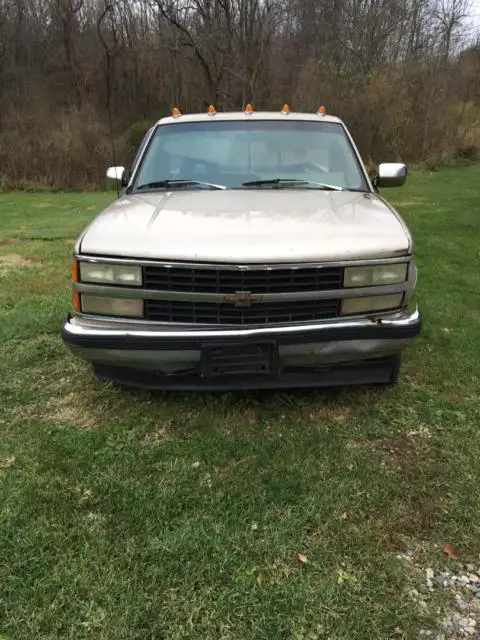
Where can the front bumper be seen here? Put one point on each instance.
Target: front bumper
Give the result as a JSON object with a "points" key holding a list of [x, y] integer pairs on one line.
{"points": [[325, 354]]}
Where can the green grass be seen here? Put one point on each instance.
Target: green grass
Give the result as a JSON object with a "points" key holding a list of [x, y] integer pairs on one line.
{"points": [[129, 515]]}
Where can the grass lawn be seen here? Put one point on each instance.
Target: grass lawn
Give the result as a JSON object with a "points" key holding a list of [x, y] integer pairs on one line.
{"points": [[130, 515]]}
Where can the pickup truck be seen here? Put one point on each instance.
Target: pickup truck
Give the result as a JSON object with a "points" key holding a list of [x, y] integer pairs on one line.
{"points": [[246, 250]]}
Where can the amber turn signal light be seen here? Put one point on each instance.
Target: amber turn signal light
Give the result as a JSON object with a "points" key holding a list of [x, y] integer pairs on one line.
{"points": [[76, 300], [75, 279]]}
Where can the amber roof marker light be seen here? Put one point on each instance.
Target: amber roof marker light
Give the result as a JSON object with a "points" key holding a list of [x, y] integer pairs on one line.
{"points": [[211, 110], [322, 111], [286, 110], [249, 109], [176, 113]]}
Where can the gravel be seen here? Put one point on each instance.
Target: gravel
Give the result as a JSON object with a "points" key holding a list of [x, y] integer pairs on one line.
{"points": [[460, 619]]}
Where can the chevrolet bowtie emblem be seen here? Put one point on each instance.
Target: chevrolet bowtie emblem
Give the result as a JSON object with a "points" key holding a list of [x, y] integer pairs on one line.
{"points": [[243, 298]]}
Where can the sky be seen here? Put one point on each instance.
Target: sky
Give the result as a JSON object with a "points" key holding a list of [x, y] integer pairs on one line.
{"points": [[475, 12], [472, 22]]}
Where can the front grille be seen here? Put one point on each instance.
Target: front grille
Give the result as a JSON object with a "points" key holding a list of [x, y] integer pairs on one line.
{"points": [[224, 313], [198, 279]]}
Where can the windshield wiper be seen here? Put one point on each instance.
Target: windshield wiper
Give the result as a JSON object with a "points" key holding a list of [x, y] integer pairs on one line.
{"points": [[291, 181], [178, 184]]}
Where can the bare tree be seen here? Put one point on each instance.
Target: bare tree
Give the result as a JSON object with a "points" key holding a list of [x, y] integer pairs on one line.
{"points": [[205, 27], [394, 69], [450, 15]]}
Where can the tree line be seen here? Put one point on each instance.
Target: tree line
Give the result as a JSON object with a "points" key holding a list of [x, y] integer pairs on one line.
{"points": [[76, 75]]}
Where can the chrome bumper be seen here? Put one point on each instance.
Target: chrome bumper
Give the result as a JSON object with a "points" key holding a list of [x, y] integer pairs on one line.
{"points": [[170, 351]]}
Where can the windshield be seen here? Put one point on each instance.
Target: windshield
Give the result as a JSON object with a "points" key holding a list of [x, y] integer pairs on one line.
{"points": [[250, 154]]}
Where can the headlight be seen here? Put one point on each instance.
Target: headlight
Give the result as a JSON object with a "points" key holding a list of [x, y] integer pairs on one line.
{"points": [[104, 306], [351, 306], [101, 273], [375, 275]]}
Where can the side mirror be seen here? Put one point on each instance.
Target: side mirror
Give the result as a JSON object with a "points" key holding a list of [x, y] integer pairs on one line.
{"points": [[115, 173], [391, 174]]}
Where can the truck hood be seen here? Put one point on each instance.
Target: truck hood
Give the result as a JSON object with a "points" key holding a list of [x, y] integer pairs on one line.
{"points": [[248, 226]]}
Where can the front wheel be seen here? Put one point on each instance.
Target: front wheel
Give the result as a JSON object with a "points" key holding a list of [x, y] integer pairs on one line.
{"points": [[396, 367]]}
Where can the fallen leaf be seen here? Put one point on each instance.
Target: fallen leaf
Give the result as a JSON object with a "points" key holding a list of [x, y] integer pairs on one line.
{"points": [[344, 516], [195, 465], [258, 580], [449, 551], [302, 558]]}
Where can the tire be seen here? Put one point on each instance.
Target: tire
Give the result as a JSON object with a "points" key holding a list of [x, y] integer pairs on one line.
{"points": [[396, 367]]}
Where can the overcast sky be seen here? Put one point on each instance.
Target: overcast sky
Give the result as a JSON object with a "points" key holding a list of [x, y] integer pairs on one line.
{"points": [[475, 11], [473, 21]]}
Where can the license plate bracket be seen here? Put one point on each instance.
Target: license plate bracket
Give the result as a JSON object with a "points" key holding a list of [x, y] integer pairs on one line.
{"points": [[234, 359]]}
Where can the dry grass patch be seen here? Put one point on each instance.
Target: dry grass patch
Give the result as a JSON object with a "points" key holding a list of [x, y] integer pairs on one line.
{"points": [[158, 434], [42, 205], [412, 202], [14, 260], [330, 413], [249, 417], [461, 395], [73, 409]]}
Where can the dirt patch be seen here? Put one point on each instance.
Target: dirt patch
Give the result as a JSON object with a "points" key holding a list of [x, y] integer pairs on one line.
{"points": [[398, 451], [416, 459], [8, 242], [43, 205], [421, 514]]}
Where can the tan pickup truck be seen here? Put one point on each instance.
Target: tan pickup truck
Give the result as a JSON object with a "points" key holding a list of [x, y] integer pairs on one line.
{"points": [[246, 250]]}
